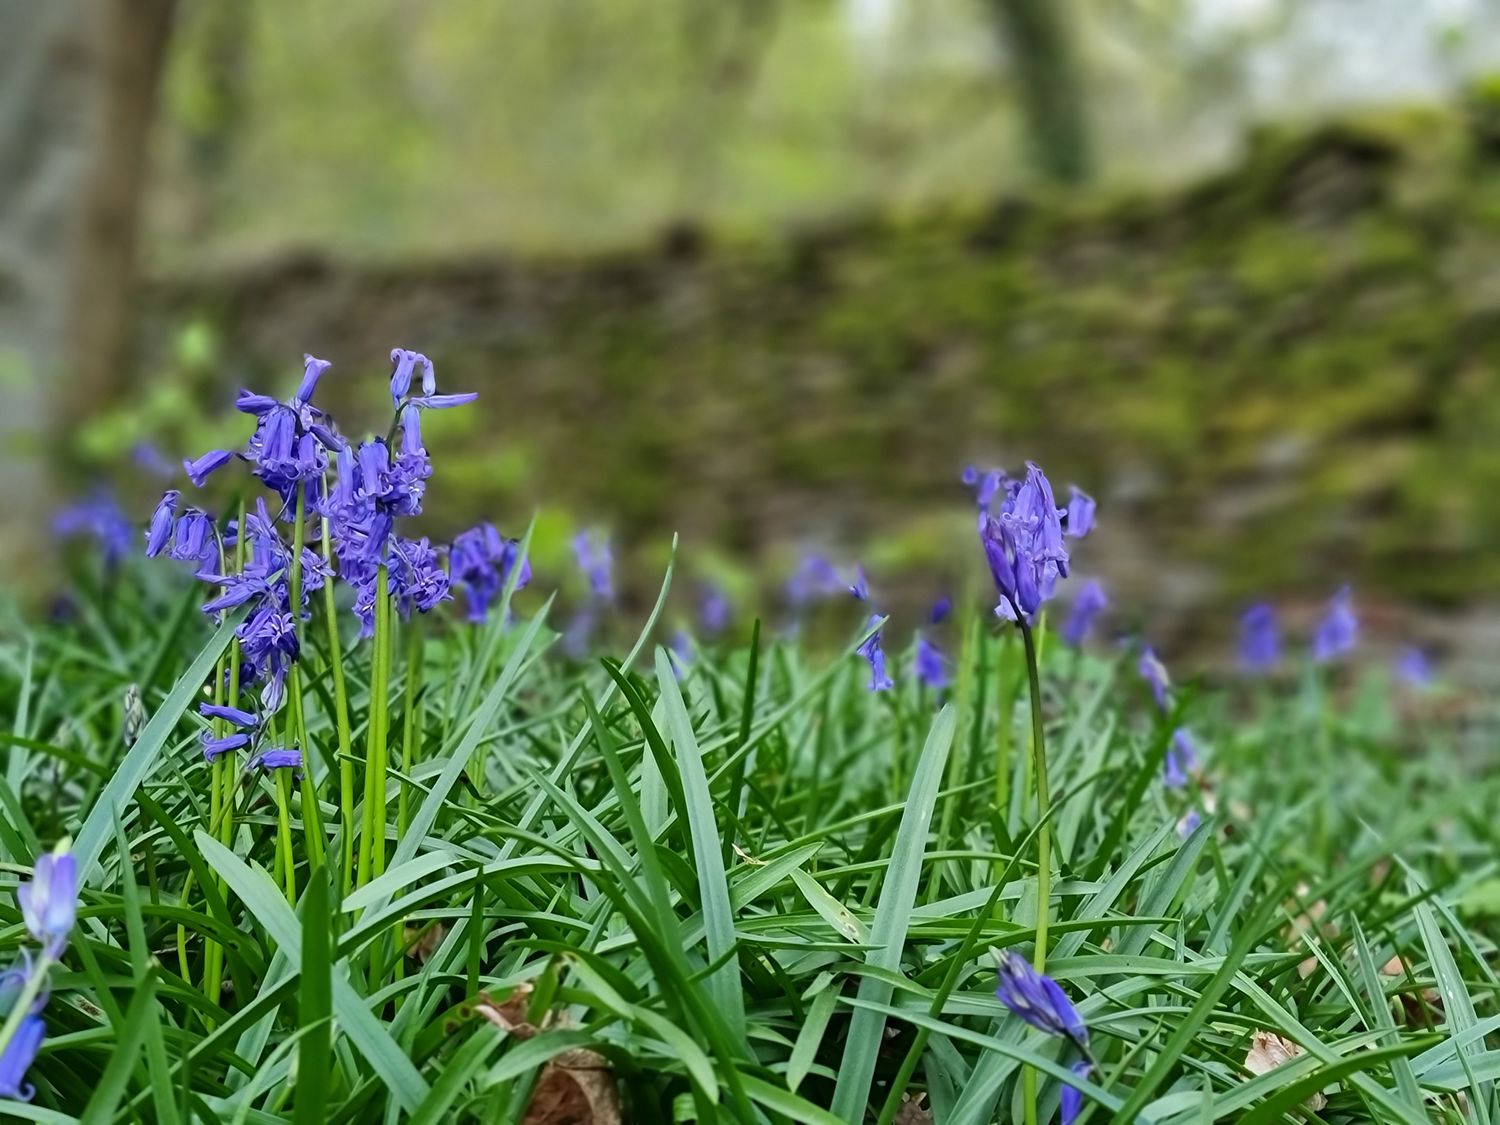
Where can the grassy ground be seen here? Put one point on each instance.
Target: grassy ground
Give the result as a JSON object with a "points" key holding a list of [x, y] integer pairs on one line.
{"points": [[757, 893]]}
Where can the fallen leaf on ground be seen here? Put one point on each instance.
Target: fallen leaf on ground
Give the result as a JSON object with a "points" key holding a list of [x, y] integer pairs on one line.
{"points": [[1268, 1051]]}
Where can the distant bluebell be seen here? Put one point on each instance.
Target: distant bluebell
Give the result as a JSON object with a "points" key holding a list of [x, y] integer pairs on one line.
{"points": [[1413, 668], [970, 475], [1260, 639], [1024, 547], [929, 665], [1182, 756], [1188, 823], [1080, 519], [18, 1056], [277, 758], [815, 577], [714, 609], [200, 470], [479, 564], [1339, 629], [99, 517], [870, 649], [213, 747], [1154, 672], [148, 456], [681, 650], [1090, 602], [49, 902], [940, 610], [860, 587], [1039, 1000], [592, 553], [159, 532], [580, 631], [989, 487], [233, 715]]}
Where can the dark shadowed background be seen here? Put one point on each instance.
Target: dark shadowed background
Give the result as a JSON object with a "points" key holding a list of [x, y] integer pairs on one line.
{"points": [[768, 273]]}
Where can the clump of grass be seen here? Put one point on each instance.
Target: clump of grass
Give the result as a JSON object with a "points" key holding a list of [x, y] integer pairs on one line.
{"points": [[754, 893]]}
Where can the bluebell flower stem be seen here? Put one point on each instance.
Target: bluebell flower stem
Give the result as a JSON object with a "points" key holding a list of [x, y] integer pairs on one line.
{"points": [[312, 820], [341, 719], [284, 834], [410, 735], [375, 746], [221, 774], [1043, 839]]}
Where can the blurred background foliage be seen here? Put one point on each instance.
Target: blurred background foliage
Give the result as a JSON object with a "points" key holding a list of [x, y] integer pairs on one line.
{"points": [[768, 272]]}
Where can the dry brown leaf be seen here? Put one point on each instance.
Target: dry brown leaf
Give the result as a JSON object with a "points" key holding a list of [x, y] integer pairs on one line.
{"points": [[577, 1087], [1268, 1051], [912, 1111], [421, 945]]}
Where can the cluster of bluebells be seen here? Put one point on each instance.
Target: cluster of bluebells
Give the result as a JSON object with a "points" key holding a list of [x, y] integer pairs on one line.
{"points": [[49, 904], [1023, 534], [322, 483], [1040, 1001], [929, 664]]}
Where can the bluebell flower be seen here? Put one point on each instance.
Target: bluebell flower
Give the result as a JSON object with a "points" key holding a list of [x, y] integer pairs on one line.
{"points": [[1338, 630], [213, 747], [713, 609], [1080, 518], [870, 649], [970, 475], [1260, 639], [929, 664], [417, 579], [988, 488], [479, 564], [1154, 672], [277, 758], [407, 483], [1090, 602], [100, 518], [860, 587], [248, 402], [1072, 1099], [940, 610], [1024, 547], [49, 902], [312, 371], [1413, 668], [233, 715], [1039, 1000], [443, 402], [1182, 756], [159, 533], [815, 577], [406, 363], [18, 1056], [194, 540], [204, 467], [1188, 823], [595, 560]]}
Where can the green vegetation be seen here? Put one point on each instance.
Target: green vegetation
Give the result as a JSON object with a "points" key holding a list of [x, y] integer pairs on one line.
{"points": [[749, 894], [1231, 364]]}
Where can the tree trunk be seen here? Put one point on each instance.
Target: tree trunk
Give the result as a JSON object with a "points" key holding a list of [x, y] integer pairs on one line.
{"points": [[132, 50], [1037, 35], [77, 87]]}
